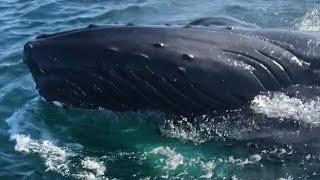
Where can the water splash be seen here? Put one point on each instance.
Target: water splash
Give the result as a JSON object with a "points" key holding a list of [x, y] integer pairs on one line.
{"points": [[92, 164], [177, 165], [272, 115], [311, 21], [57, 158], [184, 130], [174, 159], [279, 105]]}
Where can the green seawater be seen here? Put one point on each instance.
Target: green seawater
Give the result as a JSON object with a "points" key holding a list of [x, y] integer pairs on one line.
{"points": [[42, 141]]}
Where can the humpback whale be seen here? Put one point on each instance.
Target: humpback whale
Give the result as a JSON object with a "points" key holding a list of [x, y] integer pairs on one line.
{"points": [[210, 64]]}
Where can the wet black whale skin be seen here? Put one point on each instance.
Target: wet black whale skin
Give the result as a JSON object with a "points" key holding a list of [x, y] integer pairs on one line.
{"points": [[182, 70]]}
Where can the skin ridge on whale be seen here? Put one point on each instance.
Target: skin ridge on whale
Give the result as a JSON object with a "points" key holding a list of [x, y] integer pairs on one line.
{"points": [[171, 69]]}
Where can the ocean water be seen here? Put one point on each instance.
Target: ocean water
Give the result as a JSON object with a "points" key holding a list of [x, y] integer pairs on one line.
{"points": [[276, 137]]}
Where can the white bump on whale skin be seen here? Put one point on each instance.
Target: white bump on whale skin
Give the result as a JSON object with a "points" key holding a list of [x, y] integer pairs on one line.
{"points": [[57, 103], [159, 45], [187, 56]]}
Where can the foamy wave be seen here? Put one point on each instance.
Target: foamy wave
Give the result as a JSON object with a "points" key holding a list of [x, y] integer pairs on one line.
{"points": [[169, 159], [61, 159], [9, 64], [92, 164], [188, 132], [228, 125], [56, 158], [174, 159], [208, 169], [279, 105], [240, 162], [266, 117], [287, 178], [311, 21]]}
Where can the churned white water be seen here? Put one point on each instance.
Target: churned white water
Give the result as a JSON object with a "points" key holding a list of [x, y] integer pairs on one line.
{"points": [[279, 105], [310, 22], [56, 158]]}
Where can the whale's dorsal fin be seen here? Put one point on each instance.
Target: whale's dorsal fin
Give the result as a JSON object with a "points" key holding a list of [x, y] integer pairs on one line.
{"points": [[221, 22]]}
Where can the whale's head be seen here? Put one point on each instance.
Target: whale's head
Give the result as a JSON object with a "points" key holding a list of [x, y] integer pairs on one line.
{"points": [[181, 70], [172, 69]]}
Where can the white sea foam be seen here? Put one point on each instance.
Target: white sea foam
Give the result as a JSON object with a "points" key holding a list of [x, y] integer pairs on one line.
{"points": [[279, 105], [174, 159], [241, 162], [8, 64], [184, 131], [93, 164], [287, 178], [206, 128], [56, 158], [31, 138], [208, 169], [311, 21]]}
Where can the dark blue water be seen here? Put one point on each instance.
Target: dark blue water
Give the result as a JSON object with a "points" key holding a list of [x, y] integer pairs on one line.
{"points": [[42, 141]]}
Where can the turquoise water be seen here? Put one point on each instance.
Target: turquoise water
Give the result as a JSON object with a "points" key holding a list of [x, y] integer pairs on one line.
{"points": [[43, 141]]}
